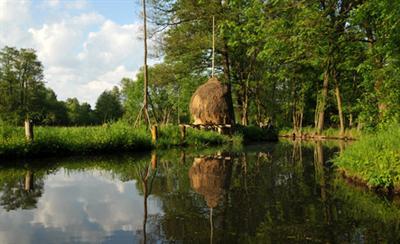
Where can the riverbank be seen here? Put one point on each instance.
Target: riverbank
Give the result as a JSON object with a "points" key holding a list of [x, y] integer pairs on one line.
{"points": [[308, 133], [117, 137], [374, 160]]}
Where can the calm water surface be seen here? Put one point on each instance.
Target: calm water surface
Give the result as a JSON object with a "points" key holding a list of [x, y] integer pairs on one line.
{"points": [[273, 193]]}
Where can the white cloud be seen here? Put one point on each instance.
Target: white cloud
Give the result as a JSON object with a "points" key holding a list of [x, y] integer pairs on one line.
{"points": [[57, 42], [14, 21], [108, 80], [53, 3], [82, 53], [10, 9], [77, 4]]}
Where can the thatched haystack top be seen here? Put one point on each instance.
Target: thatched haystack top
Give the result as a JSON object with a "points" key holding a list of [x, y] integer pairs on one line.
{"points": [[208, 177], [210, 103]]}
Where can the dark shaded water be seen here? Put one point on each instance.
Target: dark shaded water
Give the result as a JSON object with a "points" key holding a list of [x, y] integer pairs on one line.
{"points": [[274, 193]]}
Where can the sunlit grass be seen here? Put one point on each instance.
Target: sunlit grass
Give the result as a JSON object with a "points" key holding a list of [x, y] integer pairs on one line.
{"points": [[375, 158], [117, 137]]}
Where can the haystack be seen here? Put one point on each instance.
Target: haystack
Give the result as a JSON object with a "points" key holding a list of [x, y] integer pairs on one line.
{"points": [[208, 177], [210, 104]]}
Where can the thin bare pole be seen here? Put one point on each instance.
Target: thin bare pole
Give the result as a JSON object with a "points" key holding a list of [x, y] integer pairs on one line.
{"points": [[213, 47], [145, 71]]}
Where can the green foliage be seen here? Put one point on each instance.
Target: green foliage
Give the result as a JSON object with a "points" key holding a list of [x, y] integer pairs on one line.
{"points": [[370, 207], [21, 85], [108, 106], [375, 158]]}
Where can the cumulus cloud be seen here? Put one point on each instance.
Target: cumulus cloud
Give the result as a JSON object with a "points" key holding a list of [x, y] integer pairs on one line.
{"points": [[83, 52], [14, 22], [77, 4]]}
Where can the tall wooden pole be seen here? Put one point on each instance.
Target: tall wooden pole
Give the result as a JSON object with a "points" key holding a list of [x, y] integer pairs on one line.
{"points": [[146, 76], [213, 47]]}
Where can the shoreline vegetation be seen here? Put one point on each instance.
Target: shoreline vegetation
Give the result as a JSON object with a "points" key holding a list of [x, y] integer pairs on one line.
{"points": [[374, 160], [116, 137], [309, 133]]}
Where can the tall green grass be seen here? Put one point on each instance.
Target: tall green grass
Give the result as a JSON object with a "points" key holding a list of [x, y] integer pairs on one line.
{"points": [[116, 137], [375, 158], [74, 140]]}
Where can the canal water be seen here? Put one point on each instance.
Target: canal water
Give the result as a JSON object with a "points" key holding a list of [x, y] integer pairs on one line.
{"points": [[273, 193]]}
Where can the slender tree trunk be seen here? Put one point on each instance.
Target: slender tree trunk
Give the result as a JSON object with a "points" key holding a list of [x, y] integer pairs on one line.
{"points": [[258, 111], [245, 116], [322, 103], [339, 104], [145, 71], [227, 75]]}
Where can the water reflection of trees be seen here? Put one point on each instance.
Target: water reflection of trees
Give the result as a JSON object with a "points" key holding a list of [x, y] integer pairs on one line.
{"points": [[20, 190], [280, 193]]}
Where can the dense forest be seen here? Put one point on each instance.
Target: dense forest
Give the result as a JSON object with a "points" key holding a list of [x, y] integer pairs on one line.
{"points": [[326, 63]]}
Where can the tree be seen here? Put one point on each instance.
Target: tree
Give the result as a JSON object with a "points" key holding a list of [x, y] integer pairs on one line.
{"points": [[108, 106], [21, 85], [80, 114]]}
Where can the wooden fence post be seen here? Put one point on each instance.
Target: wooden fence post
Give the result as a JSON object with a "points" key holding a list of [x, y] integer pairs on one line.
{"points": [[182, 129], [154, 133], [153, 161], [28, 130]]}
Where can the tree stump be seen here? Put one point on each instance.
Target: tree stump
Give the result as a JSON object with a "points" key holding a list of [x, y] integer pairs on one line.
{"points": [[28, 130]]}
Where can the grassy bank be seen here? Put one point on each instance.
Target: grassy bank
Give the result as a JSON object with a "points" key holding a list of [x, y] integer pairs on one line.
{"points": [[116, 137], [330, 133], [374, 159]]}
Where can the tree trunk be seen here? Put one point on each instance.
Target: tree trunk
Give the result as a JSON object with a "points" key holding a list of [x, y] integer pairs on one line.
{"points": [[245, 116], [339, 105], [322, 103], [146, 75], [227, 75]]}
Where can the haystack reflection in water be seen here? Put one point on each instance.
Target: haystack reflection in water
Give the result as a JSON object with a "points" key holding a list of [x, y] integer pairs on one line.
{"points": [[274, 193], [210, 177]]}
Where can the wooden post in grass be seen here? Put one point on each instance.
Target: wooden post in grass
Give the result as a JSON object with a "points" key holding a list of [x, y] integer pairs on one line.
{"points": [[28, 130], [220, 129], [154, 133], [182, 129], [153, 160]]}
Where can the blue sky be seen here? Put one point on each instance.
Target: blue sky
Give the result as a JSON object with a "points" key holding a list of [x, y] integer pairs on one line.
{"points": [[86, 46]]}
